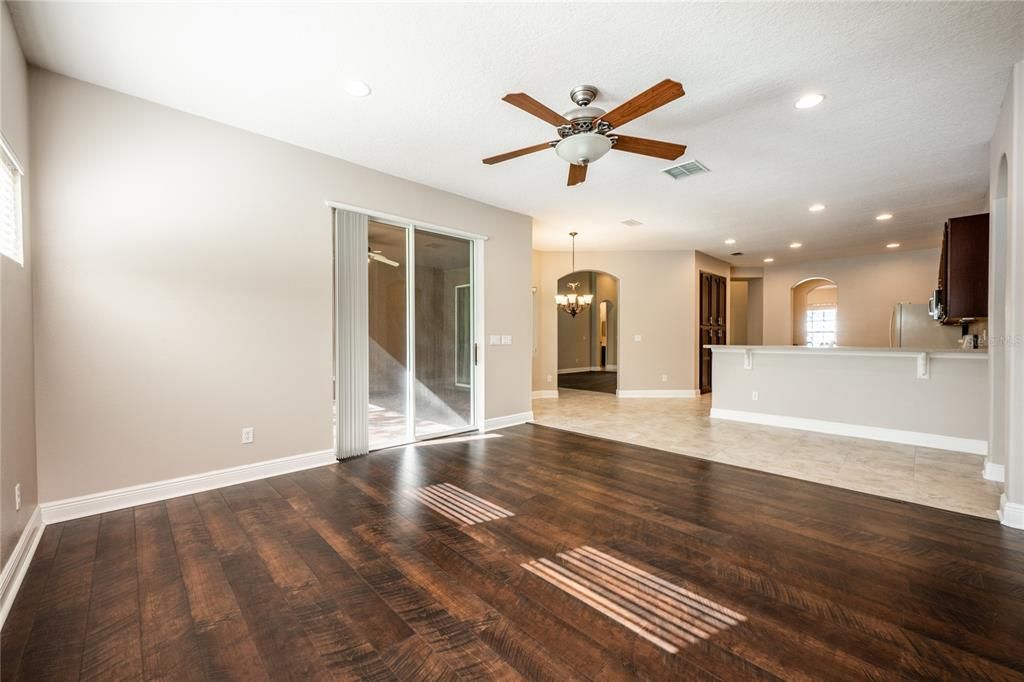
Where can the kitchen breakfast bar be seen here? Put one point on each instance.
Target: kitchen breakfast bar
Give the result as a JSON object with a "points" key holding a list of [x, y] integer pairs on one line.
{"points": [[931, 398]]}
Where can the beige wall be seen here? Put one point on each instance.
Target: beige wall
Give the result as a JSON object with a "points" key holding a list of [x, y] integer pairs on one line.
{"points": [[183, 289], [17, 392], [665, 323], [1006, 350], [737, 331], [867, 289], [755, 311]]}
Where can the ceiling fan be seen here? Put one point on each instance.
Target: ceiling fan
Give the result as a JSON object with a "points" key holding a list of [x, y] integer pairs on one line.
{"points": [[586, 132], [380, 258]]}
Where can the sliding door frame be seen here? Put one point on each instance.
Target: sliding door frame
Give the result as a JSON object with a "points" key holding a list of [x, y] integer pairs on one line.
{"points": [[476, 243]]}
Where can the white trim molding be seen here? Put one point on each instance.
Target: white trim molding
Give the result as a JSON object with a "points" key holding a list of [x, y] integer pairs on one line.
{"points": [[994, 472], [122, 498], [578, 370], [1010, 513], [919, 438], [659, 393], [508, 420], [537, 395], [18, 563]]}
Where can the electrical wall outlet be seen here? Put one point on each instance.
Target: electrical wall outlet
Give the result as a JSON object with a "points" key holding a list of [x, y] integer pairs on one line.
{"points": [[664, 378], [248, 435], [753, 395], [17, 497], [549, 378], [637, 337]]}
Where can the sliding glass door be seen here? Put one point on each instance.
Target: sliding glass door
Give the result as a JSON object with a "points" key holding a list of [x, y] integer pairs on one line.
{"points": [[421, 334], [388, 274], [444, 334]]}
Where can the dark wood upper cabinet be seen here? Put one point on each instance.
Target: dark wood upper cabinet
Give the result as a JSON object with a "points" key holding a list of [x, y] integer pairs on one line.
{"points": [[963, 268]]}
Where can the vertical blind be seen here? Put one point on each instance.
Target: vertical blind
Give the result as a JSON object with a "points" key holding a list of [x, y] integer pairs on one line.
{"points": [[10, 204], [352, 353]]}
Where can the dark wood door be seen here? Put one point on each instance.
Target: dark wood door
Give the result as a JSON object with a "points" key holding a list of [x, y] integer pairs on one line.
{"points": [[711, 330]]}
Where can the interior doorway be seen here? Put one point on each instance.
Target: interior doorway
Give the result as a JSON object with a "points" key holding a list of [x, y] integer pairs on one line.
{"points": [[588, 341], [815, 313], [713, 321]]}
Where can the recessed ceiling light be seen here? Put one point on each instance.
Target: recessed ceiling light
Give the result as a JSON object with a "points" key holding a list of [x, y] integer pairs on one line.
{"points": [[809, 100], [769, 260], [730, 240], [795, 245], [814, 208], [357, 88], [894, 245], [883, 216]]}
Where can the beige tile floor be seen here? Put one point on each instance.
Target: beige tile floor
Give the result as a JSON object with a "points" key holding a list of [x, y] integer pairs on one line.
{"points": [[938, 478]]}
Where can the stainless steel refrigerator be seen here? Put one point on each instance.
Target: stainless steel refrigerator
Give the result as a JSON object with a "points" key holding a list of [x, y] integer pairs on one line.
{"points": [[912, 327]]}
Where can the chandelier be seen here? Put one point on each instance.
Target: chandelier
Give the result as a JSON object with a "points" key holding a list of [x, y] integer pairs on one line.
{"points": [[573, 302]]}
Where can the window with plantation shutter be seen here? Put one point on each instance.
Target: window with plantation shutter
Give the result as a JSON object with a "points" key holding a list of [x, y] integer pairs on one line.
{"points": [[10, 204]]}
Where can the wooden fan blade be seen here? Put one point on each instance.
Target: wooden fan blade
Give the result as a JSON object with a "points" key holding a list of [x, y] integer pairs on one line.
{"points": [[532, 106], [491, 160], [646, 102], [577, 174], [640, 145]]}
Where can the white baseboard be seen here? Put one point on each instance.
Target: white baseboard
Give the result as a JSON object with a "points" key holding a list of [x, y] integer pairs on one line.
{"points": [[919, 438], [577, 370], [17, 564], [611, 368], [1010, 513], [544, 394], [508, 420], [122, 498], [994, 472], [663, 393]]}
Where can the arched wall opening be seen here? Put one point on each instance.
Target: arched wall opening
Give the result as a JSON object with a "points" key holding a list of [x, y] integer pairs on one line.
{"points": [[588, 343], [814, 312]]}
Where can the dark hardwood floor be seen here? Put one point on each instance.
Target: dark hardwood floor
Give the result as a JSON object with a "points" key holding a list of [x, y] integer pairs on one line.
{"points": [[528, 553], [603, 382]]}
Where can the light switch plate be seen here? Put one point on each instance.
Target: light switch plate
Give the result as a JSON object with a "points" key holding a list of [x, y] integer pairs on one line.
{"points": [[494, 340], [506, 340], [637, 337]]}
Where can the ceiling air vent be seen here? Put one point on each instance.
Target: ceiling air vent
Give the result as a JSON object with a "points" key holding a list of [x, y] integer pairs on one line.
{"points": [[631, 222], [685, 170]]}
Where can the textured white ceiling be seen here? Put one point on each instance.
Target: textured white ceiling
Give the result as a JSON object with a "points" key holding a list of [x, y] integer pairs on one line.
{"points": [[913, 92]]}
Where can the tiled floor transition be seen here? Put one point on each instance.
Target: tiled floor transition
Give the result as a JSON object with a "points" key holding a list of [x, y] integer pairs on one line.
{"points": [[937, 478]]}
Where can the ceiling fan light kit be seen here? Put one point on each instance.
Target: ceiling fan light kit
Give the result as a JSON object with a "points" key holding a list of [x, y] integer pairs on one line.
{"points": [[586, 131]]}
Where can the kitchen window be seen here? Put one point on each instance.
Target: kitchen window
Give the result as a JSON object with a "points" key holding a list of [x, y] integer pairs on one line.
{"points": [[821, 326], [11, 244]]}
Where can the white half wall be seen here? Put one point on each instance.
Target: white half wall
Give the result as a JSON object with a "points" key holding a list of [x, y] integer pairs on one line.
{"points": [[879, 396]]}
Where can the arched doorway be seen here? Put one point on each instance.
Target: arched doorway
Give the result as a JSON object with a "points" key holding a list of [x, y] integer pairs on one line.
{"points": [[588, 342], [815, 312]]}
